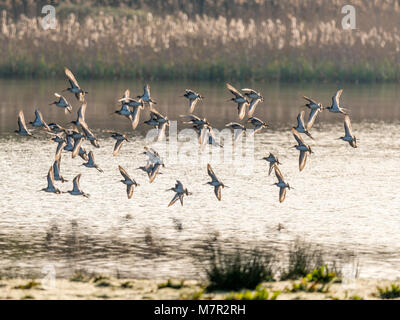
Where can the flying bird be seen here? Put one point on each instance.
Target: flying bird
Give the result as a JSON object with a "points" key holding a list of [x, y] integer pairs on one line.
{"points": [[335, 107], [257, 123], [193, 98], [315, 109], [255, 97], [238, 128], [146, 97], [74, 86], [281, 184], [39, 122], [77, 191], [130, 183], [50, 183], [120, 140], [349, 137], [56, 170], [91, 162], [22, 129], [180, 192], [273, 161], [62, 103], [215, 182], [301, 128], [240, 99], [302, 147]]}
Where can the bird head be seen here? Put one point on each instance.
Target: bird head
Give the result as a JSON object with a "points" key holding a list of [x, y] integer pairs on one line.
{"points": [[309, 149], [187, 192]]}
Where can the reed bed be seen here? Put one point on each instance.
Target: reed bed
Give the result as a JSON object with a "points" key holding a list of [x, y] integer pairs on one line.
{"points": [[139, 44]]}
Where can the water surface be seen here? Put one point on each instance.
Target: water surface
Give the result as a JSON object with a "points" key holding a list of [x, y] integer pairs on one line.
{"points": [[345, 199]]}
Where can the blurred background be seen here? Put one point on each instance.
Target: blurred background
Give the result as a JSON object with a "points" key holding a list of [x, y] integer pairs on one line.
{"points": [[266, 40]]}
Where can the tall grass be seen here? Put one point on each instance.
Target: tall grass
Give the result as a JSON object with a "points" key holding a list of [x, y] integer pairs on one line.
{"points": [[305, 259], [235, 268], [132, 42]]}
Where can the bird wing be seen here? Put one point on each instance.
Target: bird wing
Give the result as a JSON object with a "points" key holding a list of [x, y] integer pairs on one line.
{"points": [[311, 118], [252, 107], [154, 171], [217, 191], [21, 122], [298, 137], [336, 98], [178, 185], [129, 190], [234, 91], [241, 110], [300, 119], [117, 147], [56, 169], [82, 111], [191, 117], [271, 166], [76, 183], [302, 160], [311, 101], [174, 199], [77, 147], [248, 90], [347, 126], [192, 104], [211, 173], [60, 147], [50, 178], [71, 77], [278, 174], [124, 174], [91, 158], [282, 194], [161, 131], [135, 117]]}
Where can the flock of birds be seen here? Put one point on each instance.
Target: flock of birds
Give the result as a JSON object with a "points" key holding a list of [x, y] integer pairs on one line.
{"points": [[71, 140]]}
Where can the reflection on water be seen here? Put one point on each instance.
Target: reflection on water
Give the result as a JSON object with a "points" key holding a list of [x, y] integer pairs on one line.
{"points": [[346, 199]]}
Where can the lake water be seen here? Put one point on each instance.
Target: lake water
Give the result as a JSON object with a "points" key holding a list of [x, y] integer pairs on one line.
{"points": [[346, 200]]}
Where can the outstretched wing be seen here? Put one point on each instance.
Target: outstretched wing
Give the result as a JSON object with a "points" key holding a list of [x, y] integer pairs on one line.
{"points": [[129, 190], [211, 173], [124, 173], [336, 98], [298, 137], [76, 183], [217, 191], [302, 160], [347, 126], [311, 118], [278, 174], [174, 199], [117, 147], [71, 77], [282, 194], [234, 91]]}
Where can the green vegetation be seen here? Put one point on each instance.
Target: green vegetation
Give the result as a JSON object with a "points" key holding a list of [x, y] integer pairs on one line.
{"points": [[30, 285], [304, 261], [240, 269], [171, 284], [218, 41], [319, 280], [392, 292], [127, 285], [80, 277], [259, 294]]}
